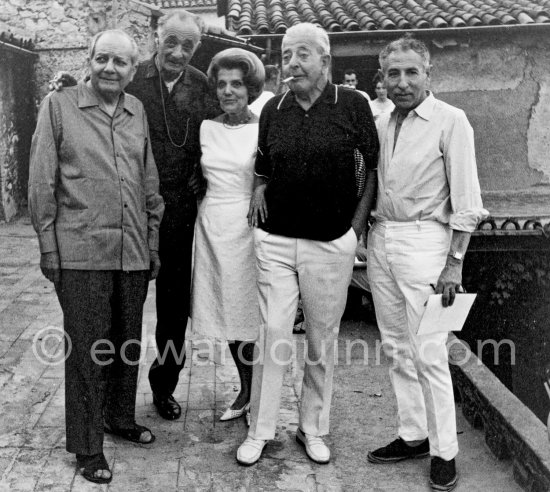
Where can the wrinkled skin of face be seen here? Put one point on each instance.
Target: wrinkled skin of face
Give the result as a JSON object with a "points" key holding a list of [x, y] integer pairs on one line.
{"points": [[111, 66], [406, 79], [302, 60], [177, 42]]}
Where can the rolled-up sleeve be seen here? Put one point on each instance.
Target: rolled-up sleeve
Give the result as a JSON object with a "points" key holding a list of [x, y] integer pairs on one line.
{"points": [[460, 164], [43, 176], [153, 201]]}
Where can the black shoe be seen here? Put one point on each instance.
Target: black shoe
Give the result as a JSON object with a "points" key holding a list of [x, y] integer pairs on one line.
{"points": [[398, 450], [443, 476], [167, 406]]}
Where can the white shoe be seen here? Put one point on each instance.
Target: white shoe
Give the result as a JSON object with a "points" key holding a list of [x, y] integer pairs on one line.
{"points": [[250, 450], [316, 449], [231, 414]]}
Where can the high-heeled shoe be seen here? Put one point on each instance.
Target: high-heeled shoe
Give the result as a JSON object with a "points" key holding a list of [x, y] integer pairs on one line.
{"points": [[231, 414]]}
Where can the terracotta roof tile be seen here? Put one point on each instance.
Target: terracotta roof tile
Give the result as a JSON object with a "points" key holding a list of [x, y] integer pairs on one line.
{"points": [[248, 17], [182, 4]]}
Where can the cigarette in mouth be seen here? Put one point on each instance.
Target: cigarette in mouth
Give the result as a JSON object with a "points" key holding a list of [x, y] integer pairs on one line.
{"points": [[288, 79]]}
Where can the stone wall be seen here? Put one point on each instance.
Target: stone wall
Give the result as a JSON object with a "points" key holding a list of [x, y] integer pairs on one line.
{"points": [[16, 127], [512, 432], [61, 30], [502, 82]]}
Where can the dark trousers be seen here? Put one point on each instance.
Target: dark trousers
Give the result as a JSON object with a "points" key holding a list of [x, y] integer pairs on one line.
{"points": [[173, 300], [100, 381]]}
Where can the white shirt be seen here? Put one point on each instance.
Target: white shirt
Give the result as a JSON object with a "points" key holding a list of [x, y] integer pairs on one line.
{"points": [[258, 104], [378, 107], [431, 174], [170, 85]]}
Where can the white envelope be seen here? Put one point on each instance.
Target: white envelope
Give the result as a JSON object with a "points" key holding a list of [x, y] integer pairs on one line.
{"points": [[437, 318]]}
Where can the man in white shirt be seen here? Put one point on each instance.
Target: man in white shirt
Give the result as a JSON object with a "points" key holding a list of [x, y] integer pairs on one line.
{"points": [[351, 80], [428, 204], [271, 87]]}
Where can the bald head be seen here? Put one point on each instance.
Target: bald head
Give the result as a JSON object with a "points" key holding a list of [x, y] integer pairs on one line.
{"points": [[112, 63], [119, 34]]}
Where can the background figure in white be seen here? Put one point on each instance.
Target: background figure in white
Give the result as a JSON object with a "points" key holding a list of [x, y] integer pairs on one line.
{"points": [[381, 104], [271, 87], [224, 300]]}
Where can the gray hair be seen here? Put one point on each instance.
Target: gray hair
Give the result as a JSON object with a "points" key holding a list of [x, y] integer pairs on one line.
{"points": [[135, 50], [250, 65], [406, 43], [184, 16], [312, 31]]}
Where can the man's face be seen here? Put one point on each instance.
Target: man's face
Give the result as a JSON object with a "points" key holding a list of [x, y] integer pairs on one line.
{"points": [[406, 79], [177, 42], [111, 65], [303, 61], [350, 80]]}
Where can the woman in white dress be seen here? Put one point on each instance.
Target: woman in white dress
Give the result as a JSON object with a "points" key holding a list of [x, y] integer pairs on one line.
{"points": [[381, 104], [224, 301]]}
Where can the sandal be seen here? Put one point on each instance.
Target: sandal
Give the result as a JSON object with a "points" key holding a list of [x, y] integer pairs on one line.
{"points": [[133, 434], [90, 464]]}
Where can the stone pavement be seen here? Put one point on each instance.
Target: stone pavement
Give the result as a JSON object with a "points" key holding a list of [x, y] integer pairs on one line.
{"points": [[196, 452]]}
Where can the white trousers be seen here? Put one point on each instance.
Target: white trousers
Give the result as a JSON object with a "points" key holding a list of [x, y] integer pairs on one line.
{"points": [[360, 280], [404, 258], [320, 271]]}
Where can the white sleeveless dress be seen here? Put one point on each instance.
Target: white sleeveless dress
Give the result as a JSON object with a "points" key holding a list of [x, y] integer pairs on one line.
{"points": [[224, 298]]}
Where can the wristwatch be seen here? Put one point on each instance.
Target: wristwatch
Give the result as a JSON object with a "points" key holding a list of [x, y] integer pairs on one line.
{"points": [[457, 255]]}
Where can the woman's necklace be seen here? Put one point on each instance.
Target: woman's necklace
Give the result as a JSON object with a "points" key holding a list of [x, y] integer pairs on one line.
{"points": [[238, 124], [179, 146]]}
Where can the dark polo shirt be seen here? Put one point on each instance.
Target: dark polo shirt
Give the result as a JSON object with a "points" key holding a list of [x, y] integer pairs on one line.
{"points": [[307, 158]]}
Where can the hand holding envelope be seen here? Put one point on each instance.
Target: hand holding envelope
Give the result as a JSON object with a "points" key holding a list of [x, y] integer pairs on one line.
{"points": [[437, 318]]}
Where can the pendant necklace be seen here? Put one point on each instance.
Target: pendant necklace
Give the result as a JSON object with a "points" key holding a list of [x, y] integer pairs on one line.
{"points": [[179, 146]]}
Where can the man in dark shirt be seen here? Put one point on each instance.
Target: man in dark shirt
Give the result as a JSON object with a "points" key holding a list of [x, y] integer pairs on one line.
{"points": [[175, 96], [305, 204]]}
